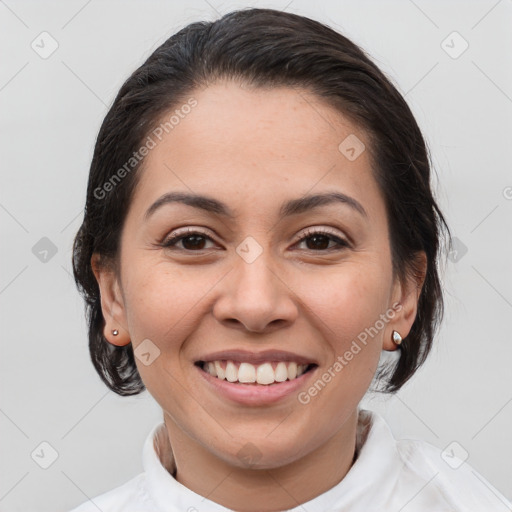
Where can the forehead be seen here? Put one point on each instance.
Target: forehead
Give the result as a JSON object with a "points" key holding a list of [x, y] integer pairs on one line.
{"points": [[253, 143]]}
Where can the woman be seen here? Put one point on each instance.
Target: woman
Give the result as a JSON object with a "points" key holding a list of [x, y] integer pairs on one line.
{"points": [[259, 229]]}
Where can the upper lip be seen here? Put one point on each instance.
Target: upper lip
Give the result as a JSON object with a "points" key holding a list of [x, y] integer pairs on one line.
{"points": [[246, 356]]}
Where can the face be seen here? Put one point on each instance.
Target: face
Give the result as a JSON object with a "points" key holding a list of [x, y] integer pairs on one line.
{"points": [[257, 281]]}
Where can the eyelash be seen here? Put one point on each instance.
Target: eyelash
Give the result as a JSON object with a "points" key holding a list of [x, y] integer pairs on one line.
{"points": [[171, 242]]}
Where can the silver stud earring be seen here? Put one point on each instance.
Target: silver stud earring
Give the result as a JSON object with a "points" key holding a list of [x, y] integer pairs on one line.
{"points": [[115, 332], [397, 339]]}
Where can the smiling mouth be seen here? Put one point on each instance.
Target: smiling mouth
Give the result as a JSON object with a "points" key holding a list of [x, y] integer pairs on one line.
{"points": [[266, 373]]}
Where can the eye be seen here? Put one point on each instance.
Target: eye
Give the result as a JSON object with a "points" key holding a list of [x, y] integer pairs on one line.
{"points": [[192, 240], [319, 240]]}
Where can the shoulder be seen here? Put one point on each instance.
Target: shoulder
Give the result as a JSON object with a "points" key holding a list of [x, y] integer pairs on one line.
{"points": [[444, 475], [413, 475], [129, 497]]}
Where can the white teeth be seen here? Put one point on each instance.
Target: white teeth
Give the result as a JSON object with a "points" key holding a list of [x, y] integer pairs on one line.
{"points": [[301, 368], [231, 372], [292, 371], [265, 374], [221, 374], [211, 369], [281, 372], [247, 373]]}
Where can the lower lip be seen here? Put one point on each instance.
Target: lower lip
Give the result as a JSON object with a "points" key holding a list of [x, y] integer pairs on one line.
{"points": [[256, 394]]}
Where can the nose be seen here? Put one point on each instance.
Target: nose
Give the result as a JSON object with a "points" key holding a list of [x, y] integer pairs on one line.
{"points": [[256, 298]]}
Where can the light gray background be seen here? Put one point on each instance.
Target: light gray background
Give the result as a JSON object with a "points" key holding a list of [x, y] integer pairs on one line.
{"points": [[51, 111]]}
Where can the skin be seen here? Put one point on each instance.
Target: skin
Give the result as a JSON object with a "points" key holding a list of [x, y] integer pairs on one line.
{"points": [[253, 149]]}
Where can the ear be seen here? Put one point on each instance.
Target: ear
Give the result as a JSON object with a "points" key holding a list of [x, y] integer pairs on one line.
{"points": [[405, 296], [112, 304]]}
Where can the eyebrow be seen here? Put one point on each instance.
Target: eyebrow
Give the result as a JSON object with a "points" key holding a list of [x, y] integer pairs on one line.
{"points": [[288, 208]]}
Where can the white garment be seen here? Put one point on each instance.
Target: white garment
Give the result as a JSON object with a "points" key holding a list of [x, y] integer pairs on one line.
{"points": [[388, 476]]}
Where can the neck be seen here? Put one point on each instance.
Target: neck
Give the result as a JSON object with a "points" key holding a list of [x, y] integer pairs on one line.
{"points": [[263, 490]]}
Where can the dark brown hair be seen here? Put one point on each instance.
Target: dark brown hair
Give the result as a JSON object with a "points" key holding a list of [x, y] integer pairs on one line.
{"points": [[264, 48]]}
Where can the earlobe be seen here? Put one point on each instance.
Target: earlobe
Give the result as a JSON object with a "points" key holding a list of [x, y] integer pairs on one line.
{"points": [[396, 337], [112, 305], [115, 337], [408, 291]]}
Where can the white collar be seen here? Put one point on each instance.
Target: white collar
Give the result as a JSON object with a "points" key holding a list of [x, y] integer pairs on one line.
{"points": [[370, 480]]}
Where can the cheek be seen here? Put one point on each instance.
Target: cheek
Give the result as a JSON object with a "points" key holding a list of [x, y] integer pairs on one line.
{"points": [[349, 301], [163, 302], [347, 306], [163, 306]]}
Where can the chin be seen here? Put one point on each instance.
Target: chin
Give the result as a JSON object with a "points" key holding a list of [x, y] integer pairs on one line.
{"points": [[264, 451]]}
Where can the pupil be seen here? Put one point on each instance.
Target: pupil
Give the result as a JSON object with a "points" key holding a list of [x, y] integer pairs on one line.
{"points": [[198, 242], [320, 245], [313, 242]]}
